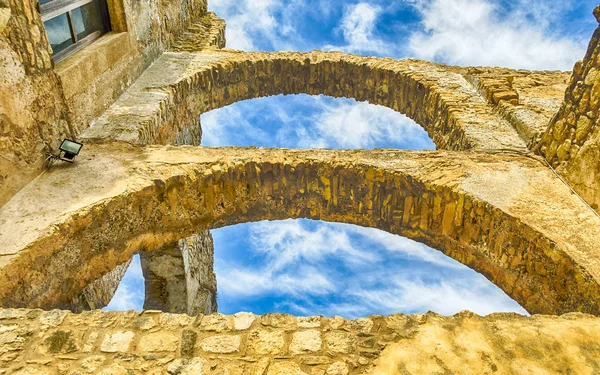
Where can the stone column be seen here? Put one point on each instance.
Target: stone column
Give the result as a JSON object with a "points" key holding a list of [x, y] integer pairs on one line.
{"points": [[572, 141], [179, 278]]}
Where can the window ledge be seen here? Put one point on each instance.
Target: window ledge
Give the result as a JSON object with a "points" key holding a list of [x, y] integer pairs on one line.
{"points": [[79, 69]]}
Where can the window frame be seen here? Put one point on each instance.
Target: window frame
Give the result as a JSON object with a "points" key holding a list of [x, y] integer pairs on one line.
{"points": [[55, 8]]}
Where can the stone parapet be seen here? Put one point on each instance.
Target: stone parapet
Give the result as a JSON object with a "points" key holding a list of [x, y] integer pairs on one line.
{"points": [[109, 343]]}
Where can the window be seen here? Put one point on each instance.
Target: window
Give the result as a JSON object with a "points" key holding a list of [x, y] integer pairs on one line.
{"points": [[73, 24]]}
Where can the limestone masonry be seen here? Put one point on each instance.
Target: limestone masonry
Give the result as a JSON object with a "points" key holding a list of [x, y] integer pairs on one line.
{"points": [[512, 191]]}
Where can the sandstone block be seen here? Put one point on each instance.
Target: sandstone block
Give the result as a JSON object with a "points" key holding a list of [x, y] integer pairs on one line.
{"points": [[174, 320], [338, 368], [364, 325], [215, 322], [243, 320], [188, 342], [193, 366], [114, 370], [144, 323], [279, 321], [90, 342], [340, 342], [53, 318], [221, 344], [4, 17], [265, 342], [306, 341], [158, 342], [309, 321], [285, 368], [117, 342], [59, 342], [92, 363], [336, 322]]}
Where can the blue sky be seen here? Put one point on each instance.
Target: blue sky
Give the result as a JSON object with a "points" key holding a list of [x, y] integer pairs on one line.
{"points": [[306, 267]]}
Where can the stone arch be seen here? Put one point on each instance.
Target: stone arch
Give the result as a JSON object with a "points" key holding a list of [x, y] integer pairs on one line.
{"points": [[452, 111], [462, 204]]}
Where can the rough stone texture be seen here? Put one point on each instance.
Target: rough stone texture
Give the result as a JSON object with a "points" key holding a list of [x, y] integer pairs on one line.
{"points": [[528, 100], [33, 114], [43, 103], [164, 277], [208, 32], [201, 281], [398, 344], [502, 214], [572, 142]]}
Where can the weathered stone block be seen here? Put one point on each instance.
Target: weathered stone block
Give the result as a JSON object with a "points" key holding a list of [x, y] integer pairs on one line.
{"points": [[158, 342], [221, 344], [285, 368], [309, 321], [305, 342], [243, 320], [279, 321], [117, 342], [340, 342], [188, 342], [216, 323], [266, 342]]}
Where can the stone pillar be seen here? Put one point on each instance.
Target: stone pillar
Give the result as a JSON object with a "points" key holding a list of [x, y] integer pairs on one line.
{"points": [[572, 142], [179, 278], [164, 276], [201, 281]]}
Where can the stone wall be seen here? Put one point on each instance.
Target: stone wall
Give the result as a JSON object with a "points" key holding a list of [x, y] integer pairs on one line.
{"points": [[43, 103], [572, 142], [104, 343], [33, 114]]}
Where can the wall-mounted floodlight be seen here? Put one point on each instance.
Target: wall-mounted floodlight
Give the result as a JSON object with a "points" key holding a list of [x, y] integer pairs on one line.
{"points": [[66, 152], [69, 149]]}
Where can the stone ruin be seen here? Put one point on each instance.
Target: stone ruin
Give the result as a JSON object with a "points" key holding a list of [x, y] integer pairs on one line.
{"points": [[512, 191]]}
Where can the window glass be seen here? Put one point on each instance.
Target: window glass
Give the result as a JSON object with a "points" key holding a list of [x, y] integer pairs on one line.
{"points": [[87, 19], [59, 34]]}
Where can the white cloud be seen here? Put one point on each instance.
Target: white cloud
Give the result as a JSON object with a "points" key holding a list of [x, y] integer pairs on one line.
{"points": [[254, 23], [340, 269], [358, 26], [243, 17], [229, 125], [239, 283], [446, 297], [360, 125], [312, 122], [474, 32], [288, 242]]}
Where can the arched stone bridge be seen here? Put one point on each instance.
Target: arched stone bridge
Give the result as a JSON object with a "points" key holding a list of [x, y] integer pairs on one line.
{"points": [[505, 215], [497, 209], [450, 103]]}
